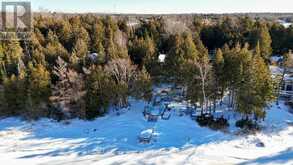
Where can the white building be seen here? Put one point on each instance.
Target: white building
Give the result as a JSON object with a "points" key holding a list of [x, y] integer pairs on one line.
{"points": [[162, 58], [287, 85], [276, 59], [285, 23]]}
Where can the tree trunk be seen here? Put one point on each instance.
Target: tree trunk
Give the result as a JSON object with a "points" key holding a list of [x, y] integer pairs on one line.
{"points": [[204, 94], [233, 98], [214, 105], [280, 85]]}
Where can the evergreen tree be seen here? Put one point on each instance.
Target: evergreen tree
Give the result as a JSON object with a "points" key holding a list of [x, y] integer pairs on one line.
{"points": [[197, 24], [12, 55], [2, 63], [202, 50], [265, 41], [38, 91], [182, 50], [278, 34], [65, 35], [80, 49], [15, 94], [98, 39], [99, 92], [36, 50], [219, 73], [143, 52], [142, 87], [54, 49], [236, 61], [112, 48], [81, 41], [199, 77], [256, 90]]}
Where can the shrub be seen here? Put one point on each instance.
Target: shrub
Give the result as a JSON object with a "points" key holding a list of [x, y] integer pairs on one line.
{"points": [[219, 123], [211, 122], [205, 120], [247, 124]]}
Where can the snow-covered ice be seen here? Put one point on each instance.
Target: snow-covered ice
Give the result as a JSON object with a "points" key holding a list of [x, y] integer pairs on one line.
{"points": [[113, 139]]}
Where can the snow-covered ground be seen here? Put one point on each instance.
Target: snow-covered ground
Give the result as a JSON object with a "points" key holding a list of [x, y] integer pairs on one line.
{"points": [[113, 139]]}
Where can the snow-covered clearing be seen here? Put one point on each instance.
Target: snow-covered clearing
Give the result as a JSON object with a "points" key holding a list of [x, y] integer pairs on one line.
{"points": [[114, 140]]}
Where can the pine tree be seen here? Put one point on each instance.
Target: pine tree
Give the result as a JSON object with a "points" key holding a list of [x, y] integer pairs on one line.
{"points": [[81, 41], [38, 91], [36, 50], [264, 86], [202, 50], [81, 48], [142, 87], [2, 63], [98, 40], [115, 40], [54, 49], [65, 34], [12, 55], [182, 50], [99, 92], [265, 41], [15, 94], [256, 89], [218, 68], [236, 61], [142, 52]]}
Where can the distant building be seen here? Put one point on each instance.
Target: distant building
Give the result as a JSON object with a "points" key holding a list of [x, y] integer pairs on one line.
{"points": [[96, 58], [162, 58], [287, 84], [93, 56], [276, 60], [284, 23], [286, 80], [282, 71]]}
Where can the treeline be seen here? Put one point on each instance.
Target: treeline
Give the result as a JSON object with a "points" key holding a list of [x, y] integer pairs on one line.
{"points": [[80, 66], [71, 67], [245, 30]]}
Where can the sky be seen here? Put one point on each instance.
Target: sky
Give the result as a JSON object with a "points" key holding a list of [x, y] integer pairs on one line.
{"points": [[163, 6]]}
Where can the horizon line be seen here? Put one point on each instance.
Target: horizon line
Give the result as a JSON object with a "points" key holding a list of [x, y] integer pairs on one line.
{"points": [[175, 13]]}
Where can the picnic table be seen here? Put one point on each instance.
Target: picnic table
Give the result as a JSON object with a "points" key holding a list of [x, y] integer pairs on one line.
{"points": [[146, 136], [152, 113], [166, 114]]}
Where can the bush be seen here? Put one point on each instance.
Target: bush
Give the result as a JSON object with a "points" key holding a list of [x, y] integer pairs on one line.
{"points": [[219, 123], [247, 124], [205, 120], [211, 122]]}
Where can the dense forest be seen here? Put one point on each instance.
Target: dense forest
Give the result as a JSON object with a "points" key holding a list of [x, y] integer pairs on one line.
{"points": [[81, 66]]}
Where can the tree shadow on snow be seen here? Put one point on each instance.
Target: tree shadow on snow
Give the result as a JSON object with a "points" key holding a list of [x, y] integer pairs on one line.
{"points": [[47, 138], [280, 158], [114, 135]]}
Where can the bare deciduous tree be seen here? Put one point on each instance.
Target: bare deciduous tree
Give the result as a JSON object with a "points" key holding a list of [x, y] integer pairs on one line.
{"points": [[204, 69], [175, 27], [125, 74], [122, 70], [68, 92]]}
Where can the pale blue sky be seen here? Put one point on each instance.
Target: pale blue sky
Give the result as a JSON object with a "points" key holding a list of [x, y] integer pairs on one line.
{"points": [[165, 6]]}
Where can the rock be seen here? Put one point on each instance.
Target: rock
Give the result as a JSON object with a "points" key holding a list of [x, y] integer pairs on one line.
{"points": [[260, 144]]}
